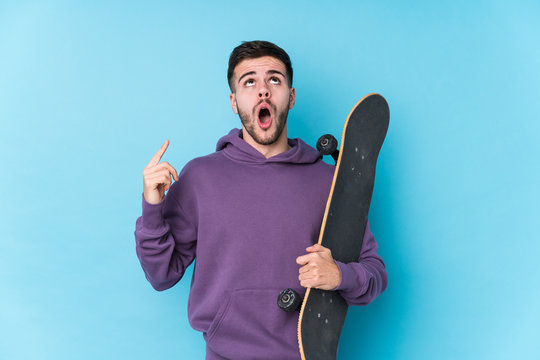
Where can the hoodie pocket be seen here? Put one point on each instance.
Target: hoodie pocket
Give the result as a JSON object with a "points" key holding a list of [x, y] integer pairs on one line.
{"points": [[249, 325]]}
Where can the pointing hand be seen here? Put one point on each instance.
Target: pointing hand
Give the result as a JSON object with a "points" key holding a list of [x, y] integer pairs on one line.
{"points": [[157, 177]]}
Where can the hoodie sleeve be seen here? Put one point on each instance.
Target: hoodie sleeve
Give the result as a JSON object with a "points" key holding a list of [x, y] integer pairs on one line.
{"points": [[165, 238], [363, 281]]}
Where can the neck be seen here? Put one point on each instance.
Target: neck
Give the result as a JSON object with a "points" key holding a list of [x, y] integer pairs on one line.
{"points": [[280, 146]]}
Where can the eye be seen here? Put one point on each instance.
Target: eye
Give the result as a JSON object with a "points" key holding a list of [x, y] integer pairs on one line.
{"points": [[249, 82], [274, 80]]}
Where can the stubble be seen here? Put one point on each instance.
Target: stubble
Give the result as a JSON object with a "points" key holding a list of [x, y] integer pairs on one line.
{"points": [[250, 124]]}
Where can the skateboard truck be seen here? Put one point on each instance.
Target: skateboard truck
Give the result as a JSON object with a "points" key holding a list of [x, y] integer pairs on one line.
{"points": [[289, 300], [327, 145]]}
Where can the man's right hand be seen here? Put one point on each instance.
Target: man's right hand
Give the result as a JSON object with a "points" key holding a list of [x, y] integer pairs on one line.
{"points": [[157, 177]]}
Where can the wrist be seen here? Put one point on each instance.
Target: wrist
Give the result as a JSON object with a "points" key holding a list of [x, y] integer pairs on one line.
{"points": [[337, 277], [152, 198]]}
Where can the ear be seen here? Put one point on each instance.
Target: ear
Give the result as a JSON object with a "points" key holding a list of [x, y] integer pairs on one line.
{"points": [[232, 97], [292, 98]]}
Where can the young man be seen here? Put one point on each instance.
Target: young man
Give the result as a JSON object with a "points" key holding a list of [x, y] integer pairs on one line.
{"points": [[250, 213]]}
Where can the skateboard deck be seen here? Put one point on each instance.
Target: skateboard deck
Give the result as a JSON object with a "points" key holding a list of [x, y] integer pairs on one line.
{"points": [[322, 314]]}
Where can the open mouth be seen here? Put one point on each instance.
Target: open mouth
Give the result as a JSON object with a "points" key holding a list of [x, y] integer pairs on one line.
{"points": [[265, 117]]}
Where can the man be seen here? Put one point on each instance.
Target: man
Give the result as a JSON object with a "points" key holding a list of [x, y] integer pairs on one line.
{"points": [[250, 213]]}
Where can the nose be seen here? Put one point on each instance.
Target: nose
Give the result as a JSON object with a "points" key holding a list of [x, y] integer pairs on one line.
{"points": [[264, 93]]}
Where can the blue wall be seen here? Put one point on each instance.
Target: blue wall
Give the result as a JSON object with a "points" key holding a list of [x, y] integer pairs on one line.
{"points": [[90, 90]]}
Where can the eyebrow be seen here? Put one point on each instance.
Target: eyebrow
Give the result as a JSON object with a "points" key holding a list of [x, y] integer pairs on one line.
{"points": [[269, 72]]}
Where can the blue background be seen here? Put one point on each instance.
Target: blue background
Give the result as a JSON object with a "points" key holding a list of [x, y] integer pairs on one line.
{"points": [[90, 90]]}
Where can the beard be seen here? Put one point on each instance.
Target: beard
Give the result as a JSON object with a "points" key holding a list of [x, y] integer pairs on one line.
{"points": [[249, 121]]}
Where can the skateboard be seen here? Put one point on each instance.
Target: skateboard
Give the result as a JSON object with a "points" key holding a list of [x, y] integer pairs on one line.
{"points": [[322, 312]]}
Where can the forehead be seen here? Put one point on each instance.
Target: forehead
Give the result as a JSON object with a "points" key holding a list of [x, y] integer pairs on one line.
{"points": [[261, 64]]}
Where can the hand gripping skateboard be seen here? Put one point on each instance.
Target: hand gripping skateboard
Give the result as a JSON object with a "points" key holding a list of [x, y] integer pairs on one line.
{"points": [[322, 314]]}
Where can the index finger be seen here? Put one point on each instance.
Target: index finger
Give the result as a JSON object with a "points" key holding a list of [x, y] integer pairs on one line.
{"points": [[157, 156]]}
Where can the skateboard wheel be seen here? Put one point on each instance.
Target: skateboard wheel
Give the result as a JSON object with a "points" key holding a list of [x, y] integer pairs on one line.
{"points": [[289, 300], [327, 144]]}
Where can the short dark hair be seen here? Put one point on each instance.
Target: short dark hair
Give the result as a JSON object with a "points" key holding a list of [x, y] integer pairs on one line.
{"points": [[257, 49]]}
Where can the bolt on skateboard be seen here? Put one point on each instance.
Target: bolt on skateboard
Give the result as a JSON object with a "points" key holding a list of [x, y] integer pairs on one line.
{"points": [[322, 312]]}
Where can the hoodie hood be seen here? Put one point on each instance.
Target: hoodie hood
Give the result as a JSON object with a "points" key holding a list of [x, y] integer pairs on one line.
{"points": [[234, 146]]}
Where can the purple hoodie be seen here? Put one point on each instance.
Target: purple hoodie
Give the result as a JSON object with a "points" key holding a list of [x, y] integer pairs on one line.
{"points": [[246, 219]]}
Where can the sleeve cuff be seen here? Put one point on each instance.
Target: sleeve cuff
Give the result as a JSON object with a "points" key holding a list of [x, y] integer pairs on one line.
{"points": [[349, 278], [152, 217]]}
